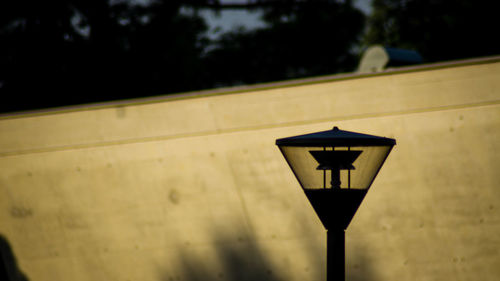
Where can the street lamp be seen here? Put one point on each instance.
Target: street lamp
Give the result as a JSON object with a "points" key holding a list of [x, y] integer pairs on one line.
{"points": [[335, 169]]}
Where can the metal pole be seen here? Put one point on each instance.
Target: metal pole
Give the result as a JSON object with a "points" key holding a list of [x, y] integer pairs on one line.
{"points": [[335, 254]]}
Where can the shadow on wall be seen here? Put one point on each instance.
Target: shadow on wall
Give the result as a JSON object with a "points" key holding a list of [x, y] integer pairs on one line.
{"points": [[361, 268], [240, 260], [9, 270], [243, 260]]}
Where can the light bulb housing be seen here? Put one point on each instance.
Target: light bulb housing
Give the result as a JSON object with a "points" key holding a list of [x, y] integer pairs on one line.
{"points": [[335, 168]]}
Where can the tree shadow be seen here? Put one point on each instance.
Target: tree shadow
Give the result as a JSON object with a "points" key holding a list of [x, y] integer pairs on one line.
{"points": [[240, 260], [361, 268], [9, 270], [245, 260]]}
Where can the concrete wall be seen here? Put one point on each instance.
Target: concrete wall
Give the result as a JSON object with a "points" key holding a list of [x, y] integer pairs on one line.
{"points": [[195, 189]]}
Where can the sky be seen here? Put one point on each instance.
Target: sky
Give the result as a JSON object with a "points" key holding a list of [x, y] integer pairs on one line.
{"points": [[223, 21], [228, 19], [233, 18]]}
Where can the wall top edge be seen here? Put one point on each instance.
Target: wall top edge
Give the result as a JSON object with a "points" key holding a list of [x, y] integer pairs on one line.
{"points": [[250, 88]]}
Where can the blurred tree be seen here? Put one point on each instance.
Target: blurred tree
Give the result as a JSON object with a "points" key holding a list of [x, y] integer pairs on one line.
{"points": [[79, 51], [65, 52], [438, 29], [302, 38]]}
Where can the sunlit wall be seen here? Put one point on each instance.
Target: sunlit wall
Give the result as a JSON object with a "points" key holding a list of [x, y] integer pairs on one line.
{"points": [[194, 188]]}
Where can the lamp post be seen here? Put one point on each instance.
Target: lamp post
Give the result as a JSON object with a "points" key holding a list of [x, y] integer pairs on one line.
{"points": [[335, 169]]}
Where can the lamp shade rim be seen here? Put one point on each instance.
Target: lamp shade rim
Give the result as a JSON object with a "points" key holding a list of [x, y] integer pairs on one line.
{"points": [[335, 137]]}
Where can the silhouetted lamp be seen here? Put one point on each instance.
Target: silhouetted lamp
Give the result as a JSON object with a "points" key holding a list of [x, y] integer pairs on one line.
{"points": [[335, 169]]}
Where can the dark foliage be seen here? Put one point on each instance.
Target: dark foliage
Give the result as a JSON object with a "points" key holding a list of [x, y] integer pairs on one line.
{"points": [[438, 29], [67, 52], [303, 38]]}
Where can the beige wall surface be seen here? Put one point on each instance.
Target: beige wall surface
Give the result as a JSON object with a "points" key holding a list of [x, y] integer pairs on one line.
{"points": [[195, 189]]}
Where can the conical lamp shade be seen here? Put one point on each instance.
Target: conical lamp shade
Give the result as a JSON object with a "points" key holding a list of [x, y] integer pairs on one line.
{"points": [[335, 169]]}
